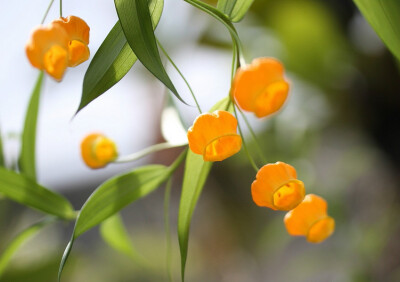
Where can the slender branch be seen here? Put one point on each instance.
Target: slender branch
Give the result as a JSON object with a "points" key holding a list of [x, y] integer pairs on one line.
{"points": [[47, 11], [60, 8], [180, 73]]}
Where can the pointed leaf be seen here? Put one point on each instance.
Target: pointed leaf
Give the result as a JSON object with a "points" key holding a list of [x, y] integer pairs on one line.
{"points": [[384, 17], [113, 232], [27, 158], [112, 60], [27, 192], [136, 23], [234, 9], [19, 240]]}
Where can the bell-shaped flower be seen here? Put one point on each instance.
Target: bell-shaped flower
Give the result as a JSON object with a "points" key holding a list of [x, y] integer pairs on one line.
{"points": [[277, 187], [310, 219], [97, 150], [260, 87], [78, 39], [47, 49], [214, 136]]}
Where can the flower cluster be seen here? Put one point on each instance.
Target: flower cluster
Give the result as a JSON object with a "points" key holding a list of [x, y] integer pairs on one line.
{"points": [[62, 43], [262, 89]]}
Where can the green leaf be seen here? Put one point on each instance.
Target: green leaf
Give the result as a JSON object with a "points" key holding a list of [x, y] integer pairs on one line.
{"points": [[28, 149], [136, 23], [234, 9], [2, 162], [384, 17], [19, 240], [195, 175], [112, 60], [113, 232], [27, 192]]}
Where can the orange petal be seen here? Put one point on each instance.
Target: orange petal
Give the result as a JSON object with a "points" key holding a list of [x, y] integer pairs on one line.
{"points": [[78, 34], [260, 87], [47, 49], [310, 219], [214, 136], [97, 150], [276, 187]]}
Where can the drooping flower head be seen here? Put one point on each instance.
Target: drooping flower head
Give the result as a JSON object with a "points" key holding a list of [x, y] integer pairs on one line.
{"points": [[47, 49], [214, 136], [97, 150], [260, 87], [310, 219], [277, 187], [78, 39]]}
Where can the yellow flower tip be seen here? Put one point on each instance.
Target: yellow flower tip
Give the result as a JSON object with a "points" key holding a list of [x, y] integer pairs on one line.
{"points": [[260, 87], [97, 150], [78, 35], [47, 49], [276, 187], [310, 219], [214, 136]]}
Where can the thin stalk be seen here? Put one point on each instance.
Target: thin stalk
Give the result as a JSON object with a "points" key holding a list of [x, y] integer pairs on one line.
{"points": [[167, 197], [180, 73], [253, 164], [258, 147], [220, 17], [60, 8], [146, 151], [47, 11], [234, 64]]}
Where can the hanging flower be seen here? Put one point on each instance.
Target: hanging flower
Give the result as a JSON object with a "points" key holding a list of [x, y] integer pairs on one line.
{"points": [[77, 31], [47, 49], [310, 219], [260, 87], [276, 187], [97, 150], [214, 135]]}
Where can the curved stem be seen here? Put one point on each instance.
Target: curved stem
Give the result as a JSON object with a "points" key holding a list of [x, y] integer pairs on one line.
{"points": [[147, 151], [180, 73], [253, 164], [258, 147], [47, 11]]}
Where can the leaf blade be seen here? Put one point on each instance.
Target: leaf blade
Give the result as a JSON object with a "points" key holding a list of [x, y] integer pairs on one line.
{"points": [[25, 191], [113, 60], [2, 161], [384, 17], [27, 158], [234, 9], [136, 23]]}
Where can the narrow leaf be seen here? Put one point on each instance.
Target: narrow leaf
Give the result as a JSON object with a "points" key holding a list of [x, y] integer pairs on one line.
{"points": [[19, 240], [384, 17], [27, 192], [2, 161], [27, 158], [136, 23], [195, 175], [113, 232], [234, 9], [112, 60]]}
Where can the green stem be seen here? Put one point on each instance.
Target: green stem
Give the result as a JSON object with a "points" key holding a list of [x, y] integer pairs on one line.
{"points": [[258, 147], [47, 11], [253, 164], [178, 161], [167, 197], [146, 151], [180, 73], [60, 8], [225, 21]]}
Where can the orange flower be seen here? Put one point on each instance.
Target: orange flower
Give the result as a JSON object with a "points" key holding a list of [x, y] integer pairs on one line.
{"points": [[214, 136], [260, 87], [310, 219], [48, 49], [97, 150], [78, 35], [276, 187]]}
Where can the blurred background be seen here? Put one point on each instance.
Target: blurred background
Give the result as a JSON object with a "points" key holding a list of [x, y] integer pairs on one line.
{"points": [[339, 128]]}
